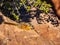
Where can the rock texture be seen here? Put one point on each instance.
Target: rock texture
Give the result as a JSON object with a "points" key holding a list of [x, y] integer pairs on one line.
{"points": [[43, 34]]}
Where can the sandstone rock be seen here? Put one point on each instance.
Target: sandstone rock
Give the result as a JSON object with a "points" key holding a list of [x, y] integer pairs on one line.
{"points": [[43, 34], [57, 6]]}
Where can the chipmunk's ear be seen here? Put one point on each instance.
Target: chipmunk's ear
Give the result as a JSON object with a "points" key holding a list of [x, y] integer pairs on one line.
{"points": [[1, 19]]}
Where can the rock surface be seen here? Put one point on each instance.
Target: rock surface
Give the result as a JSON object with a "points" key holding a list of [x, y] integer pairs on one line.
{"points": [[43, 34]]}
